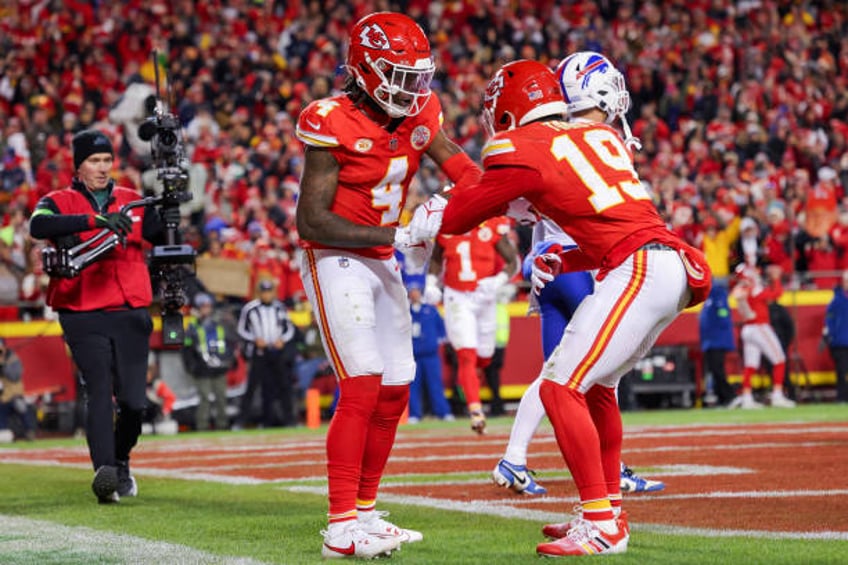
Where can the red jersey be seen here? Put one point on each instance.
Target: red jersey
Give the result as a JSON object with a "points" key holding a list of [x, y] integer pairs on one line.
{"points": [[581, 176], [752, 299], [472, 256], [375, 166]]}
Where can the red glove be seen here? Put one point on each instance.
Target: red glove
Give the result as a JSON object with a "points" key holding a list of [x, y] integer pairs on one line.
{"points": [[545, 267]]}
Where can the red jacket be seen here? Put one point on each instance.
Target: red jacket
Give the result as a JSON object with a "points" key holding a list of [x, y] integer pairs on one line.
{"points": [[120, 279]]}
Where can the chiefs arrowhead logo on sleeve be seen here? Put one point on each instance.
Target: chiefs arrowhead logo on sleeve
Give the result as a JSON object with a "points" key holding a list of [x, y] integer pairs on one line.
{"points": [[373, 37]]}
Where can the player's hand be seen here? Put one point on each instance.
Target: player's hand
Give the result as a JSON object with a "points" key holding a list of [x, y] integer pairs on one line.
{"points": [[117, 222], [416, 256], [427, 219], [490, 285], [545, 267], [432, 292], [523, 212]]}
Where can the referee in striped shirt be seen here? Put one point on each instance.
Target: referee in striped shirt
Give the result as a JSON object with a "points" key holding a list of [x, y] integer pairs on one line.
{"points": [[271, 348]]}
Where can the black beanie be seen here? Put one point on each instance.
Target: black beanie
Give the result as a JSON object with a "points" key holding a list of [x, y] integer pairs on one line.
{"points": [[88, 142]]}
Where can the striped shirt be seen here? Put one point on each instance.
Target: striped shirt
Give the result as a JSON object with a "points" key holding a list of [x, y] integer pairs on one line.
{"points": [[269, 322]]}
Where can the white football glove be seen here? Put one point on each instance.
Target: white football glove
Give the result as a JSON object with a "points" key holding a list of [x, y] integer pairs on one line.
{"points": [[490, 285], [432, 292], [416, 256], [523, 212], [545, 267], [427, 219]]}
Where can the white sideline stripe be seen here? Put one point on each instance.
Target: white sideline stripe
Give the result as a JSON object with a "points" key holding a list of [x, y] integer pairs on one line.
{"points": [[500, 510], [22, 537]]}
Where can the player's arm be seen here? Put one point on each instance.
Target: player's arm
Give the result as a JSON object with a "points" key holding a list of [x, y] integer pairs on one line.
{"points": [[507, 250], [450, 157], [436, 258], [487, 198], [315, 220]]}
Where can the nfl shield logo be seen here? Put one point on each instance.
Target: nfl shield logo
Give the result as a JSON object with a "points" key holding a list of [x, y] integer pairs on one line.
{"points": [[344, 262]]}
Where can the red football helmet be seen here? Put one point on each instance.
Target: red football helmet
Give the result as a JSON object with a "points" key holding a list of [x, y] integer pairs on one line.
{"points": [[520, 92], [390, 58]]}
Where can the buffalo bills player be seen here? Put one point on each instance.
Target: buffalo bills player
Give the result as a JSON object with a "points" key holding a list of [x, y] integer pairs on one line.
{"points": [[363, 148], [580, 174], [555, 303]]}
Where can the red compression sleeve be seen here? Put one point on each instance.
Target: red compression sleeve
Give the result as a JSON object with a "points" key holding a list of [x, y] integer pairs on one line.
{"points": [[461, 170], [488, 198]]}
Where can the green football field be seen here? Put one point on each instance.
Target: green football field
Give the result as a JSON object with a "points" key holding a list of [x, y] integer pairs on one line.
{"points": [[49, 515]]}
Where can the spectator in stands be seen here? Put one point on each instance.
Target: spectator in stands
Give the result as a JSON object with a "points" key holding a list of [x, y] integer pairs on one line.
{"points": [[10, 283], [749, 248], [821, 203], [16, 413], [208, 355], [835, 335], [717, 244]]}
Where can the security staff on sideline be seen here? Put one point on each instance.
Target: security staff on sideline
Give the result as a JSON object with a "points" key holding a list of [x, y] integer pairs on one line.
{"points": [[271, 348], [103, 310]]}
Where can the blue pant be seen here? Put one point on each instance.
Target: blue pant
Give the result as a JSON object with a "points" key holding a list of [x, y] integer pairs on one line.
{"points": [[557, 304], [428, 374]]}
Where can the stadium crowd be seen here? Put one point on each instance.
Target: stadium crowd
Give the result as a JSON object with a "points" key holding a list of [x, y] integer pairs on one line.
{"points": [[741, 108]]}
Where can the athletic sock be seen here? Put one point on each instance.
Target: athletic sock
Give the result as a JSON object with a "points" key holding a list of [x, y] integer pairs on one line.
{"points": [[527, 418], [382, 428], [346, 441]]}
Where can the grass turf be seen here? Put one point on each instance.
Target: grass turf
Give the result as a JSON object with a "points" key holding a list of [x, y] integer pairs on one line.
{"points": [[273, 525]]}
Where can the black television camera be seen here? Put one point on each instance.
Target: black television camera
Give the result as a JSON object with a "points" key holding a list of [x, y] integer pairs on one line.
{"points": [[170, 264]]}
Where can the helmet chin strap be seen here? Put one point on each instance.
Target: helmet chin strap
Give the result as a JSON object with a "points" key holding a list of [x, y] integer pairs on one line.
{"points": [[630, 141]]}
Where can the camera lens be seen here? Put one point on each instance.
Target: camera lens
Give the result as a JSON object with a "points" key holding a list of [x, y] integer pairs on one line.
{"points": [[167, 139]]}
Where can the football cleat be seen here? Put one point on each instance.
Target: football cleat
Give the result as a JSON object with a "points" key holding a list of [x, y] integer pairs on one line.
{"points": [[779, 400], [350, 540], [745, 401], [516, 477], [126, 482], [372, 523], [631, 482], [105, 484], [560, 530], [478, 422], [585, 538]]}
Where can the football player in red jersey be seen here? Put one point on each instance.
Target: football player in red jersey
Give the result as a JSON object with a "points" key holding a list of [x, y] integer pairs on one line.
{"points": [[469, 265], [363, 148], [580, 174], [753, 292]]}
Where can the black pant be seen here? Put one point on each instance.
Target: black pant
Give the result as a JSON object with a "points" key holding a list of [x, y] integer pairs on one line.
{"points": [[840, 360], [714, 364], [273, 371], [492, 372], [110, 350]]}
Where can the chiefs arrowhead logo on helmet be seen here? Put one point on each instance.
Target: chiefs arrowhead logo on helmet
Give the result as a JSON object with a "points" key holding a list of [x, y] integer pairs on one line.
{"points": [[373, 37]]}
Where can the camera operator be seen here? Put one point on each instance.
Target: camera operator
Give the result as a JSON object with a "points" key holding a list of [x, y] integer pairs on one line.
{"points": [[104, 310]]}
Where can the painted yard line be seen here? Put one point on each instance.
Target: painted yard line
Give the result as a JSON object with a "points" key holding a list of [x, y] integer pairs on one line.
{"points": [[654, 497], [147, 464], [26, 541], [749, 494], [660, 471], [507, 511], [164, 473]]}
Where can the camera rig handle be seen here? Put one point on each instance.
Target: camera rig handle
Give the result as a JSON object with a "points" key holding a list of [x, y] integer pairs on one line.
{"points": [[69, 262]]}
